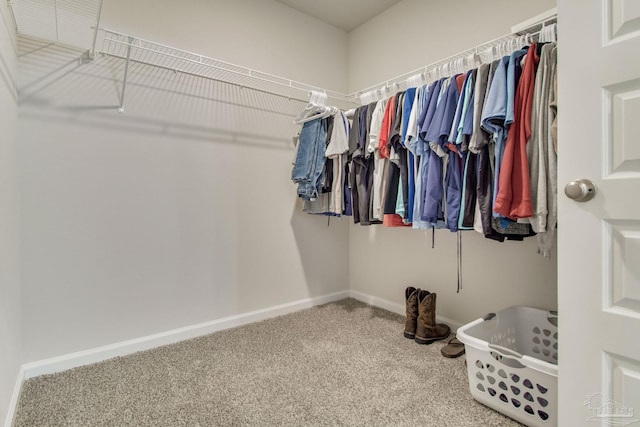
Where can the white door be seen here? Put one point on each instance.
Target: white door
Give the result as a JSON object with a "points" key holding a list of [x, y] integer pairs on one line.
{"points": [[599, 240]]}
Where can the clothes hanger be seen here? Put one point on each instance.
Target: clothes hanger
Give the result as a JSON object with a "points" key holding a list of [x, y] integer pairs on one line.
{"points": [[431, 75], [521, 41], [364, 98], [415, 80], [475, 59], [554, 32], [385, 92], [495, 51], [318, 98], [315, 109], [546, 34]]}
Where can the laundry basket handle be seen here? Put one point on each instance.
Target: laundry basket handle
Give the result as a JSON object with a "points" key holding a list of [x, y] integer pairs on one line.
{"points": [[504, 351], [488, 316]]}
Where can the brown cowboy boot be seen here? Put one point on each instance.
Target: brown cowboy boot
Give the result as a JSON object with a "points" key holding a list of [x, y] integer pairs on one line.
{"points": [[427, 330], [411, 297]]}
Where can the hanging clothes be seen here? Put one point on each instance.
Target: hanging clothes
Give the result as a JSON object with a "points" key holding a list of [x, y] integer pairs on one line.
{"points": [[494, 115], [455, 170], [422, 150], [321, 205], [513, 198], [474, 151], [408, 201], [437, 136], [393, 188], [362, 168], [378, 164], [310, 160], [411, 143], [336, 151], [542, 154], [497, 116], [462, 137]]}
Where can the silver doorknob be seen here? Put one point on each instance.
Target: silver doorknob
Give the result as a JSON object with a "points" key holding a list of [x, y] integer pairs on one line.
{"points": [[580, 190]]}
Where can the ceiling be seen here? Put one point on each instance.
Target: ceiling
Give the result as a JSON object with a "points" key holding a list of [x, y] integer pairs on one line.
{"points": [[345, 14]]}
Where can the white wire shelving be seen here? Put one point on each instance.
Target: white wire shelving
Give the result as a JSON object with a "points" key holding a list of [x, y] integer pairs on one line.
{"points": [[138, 50], [458, 62], [77, 23]]}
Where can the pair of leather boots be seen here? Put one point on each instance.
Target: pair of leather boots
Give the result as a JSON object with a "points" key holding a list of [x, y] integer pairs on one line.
{"points": [[421, 317]]}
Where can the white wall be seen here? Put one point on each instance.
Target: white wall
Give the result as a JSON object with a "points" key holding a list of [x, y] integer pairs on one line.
{"points": [[10, 329], [180, 211], [412, 34]]}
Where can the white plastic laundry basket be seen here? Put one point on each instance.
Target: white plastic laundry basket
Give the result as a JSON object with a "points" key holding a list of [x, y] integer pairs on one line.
{"points": [[512, 361]]}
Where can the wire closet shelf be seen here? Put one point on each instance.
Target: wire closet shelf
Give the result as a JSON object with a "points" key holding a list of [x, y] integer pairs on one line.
{"points": [[46, 18], [167, 57], [155, 54], [545, 28]]}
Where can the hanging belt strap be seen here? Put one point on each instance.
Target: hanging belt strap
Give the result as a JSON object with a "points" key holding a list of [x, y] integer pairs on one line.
{"points": [[459, 262], [433, 237]]}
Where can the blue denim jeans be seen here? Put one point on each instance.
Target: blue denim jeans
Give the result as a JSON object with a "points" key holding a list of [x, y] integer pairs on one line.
{"points": [[310, 159]]}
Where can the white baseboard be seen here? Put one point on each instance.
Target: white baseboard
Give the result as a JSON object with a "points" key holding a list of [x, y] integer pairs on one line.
{"points": [[13, 404], [378, 302], [123, 348], [86, 357], [397, 308]]}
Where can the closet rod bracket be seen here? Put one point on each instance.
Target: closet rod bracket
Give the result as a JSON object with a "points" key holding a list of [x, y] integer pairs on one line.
{"points": [[126, 73], [92, 51]]}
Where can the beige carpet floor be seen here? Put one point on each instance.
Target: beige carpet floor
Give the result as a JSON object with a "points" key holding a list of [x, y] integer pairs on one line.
{"points": [[340, 364]]}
